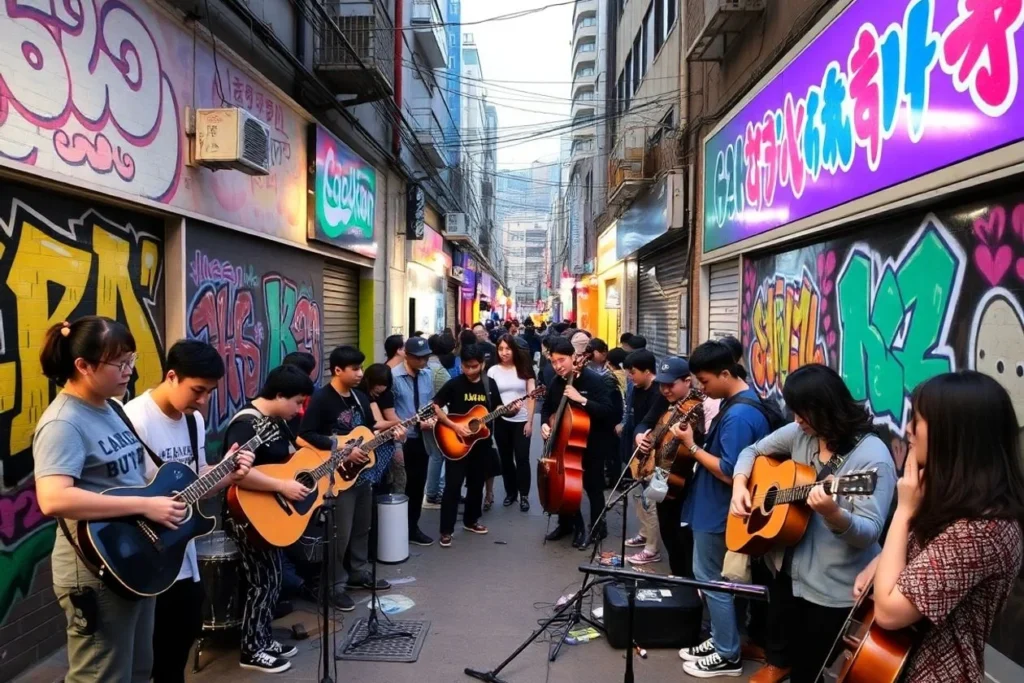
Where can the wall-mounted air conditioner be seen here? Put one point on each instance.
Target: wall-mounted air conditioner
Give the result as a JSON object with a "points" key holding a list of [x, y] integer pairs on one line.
{"points": [[232, 139]]}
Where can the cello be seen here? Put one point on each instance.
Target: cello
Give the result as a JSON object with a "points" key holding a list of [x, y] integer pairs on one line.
{"points": [[560, 468]]}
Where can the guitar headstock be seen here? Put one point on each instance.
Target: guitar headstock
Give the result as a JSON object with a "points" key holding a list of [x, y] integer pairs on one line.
{"points": [[425, 413], [266, 430], [856, 483], [581, 358], [538, 392]]}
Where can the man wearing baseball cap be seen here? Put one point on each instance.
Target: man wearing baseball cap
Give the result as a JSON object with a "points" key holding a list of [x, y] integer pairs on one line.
{"points": [[414, 390]]}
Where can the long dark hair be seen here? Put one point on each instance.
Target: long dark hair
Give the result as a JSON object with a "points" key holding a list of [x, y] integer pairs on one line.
{"points": [[973, 469], [821, 398], [524, 368], [378, 374], [92, 338]]}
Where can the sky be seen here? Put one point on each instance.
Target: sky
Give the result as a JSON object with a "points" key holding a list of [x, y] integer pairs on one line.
{"points": [[533, 49]]}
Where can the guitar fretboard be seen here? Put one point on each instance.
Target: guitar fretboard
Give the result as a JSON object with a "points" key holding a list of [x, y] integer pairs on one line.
{"points": [[204, 484], [388, 434]]}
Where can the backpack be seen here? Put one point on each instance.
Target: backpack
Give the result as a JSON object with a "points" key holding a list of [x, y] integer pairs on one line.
{"points": [[776, 420]]}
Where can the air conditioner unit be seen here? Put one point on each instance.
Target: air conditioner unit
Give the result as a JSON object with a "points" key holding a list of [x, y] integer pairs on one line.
{"points": [[455, 224], [232, 139]]}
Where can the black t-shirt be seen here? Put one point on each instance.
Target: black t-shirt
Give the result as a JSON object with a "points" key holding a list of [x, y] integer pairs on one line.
{"points": [[458, 395], [648, 406], [272, 453], [386, 400], [331, 414]]}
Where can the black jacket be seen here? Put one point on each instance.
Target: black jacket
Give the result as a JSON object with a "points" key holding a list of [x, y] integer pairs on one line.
{"points": [[604, 406]]}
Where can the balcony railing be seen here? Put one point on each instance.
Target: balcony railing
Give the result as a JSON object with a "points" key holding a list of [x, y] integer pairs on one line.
{"points": [[429, 135], [427, 23], [640, 155], [363, 28]]}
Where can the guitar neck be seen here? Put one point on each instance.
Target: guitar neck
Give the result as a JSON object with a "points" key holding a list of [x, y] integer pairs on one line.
{"points": [[387, 435], [798, 494], [204, 484]]}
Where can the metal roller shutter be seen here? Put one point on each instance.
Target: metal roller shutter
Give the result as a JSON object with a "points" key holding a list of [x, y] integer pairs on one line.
{"points": [[724, 295], [661, 291], [341, 309], [451, 307]]}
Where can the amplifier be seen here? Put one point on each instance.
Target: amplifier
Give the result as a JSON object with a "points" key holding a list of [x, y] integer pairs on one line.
{"points": [[666, 617]]}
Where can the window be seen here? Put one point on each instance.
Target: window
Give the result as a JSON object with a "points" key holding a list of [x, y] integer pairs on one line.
{"points": [[585, 71], [638, 58], [645, 43], [649, 49], [629, 82], [659, 24], [670, 15], [586, 47]]}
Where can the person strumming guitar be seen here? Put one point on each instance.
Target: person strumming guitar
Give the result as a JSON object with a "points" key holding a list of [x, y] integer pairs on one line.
{"points": [[590, 392]]}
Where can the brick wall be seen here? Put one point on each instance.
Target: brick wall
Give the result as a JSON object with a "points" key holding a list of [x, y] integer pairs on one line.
{"points": [[34, 627]]}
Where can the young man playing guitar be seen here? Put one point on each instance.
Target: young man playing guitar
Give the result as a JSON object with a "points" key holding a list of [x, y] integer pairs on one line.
{"points": [[334, 411], [810, 591], [168, 420], [707, 503], [593, 394], [659, 393], [458, 396]]}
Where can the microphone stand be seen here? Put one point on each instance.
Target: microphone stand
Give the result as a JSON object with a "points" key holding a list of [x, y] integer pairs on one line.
{"points": [[327, 568]]}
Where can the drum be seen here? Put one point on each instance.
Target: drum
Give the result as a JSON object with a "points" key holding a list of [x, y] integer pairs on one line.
{"points": [[220, 567]]}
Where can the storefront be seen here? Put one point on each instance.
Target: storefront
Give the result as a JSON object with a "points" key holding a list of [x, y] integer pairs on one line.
{"points": [[885, 245], [470, 305], [453, 293], [588, 313], [654, 248], [611, 276], [425, 282]]}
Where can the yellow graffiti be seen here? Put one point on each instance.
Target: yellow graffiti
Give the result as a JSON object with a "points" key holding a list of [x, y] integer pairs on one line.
{"points": [[785, 322], [41, 260]]}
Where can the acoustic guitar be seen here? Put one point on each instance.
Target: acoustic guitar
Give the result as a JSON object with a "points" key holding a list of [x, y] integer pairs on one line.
{"points": [[865, 652], [560, 468], [138, 558], [778, 516], [271, 519], [455, 447]]}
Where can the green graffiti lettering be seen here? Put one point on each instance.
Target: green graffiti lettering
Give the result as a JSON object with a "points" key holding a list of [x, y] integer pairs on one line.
{"points": [[18, 566], [894, 319]]}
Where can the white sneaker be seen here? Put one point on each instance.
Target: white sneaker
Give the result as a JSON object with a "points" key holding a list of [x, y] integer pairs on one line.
{"points": [[692, 654], [712, 666]]}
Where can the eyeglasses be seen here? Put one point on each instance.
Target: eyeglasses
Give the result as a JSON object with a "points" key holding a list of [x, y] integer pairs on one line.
{"points": [[125, 365]]}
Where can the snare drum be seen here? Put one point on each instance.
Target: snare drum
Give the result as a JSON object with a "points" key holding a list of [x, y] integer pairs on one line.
{"points": [[220, 567]]}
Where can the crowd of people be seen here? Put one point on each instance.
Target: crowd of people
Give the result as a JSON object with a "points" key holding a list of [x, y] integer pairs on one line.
{"points": [[941, 543]]}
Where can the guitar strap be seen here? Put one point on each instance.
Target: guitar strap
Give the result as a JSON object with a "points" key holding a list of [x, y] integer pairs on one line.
{"points": [[119, 409], [193, 437]]}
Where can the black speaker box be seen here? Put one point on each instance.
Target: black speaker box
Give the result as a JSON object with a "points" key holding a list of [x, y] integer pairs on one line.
{"points": [[663, 616]]}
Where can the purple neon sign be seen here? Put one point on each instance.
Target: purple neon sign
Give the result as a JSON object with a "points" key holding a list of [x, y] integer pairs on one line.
{"points": [[887, 92]]}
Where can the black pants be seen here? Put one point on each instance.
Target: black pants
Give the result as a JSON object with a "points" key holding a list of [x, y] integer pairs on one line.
{"points": [[678, 540], [416, 460], [473, 470], [514, 449], [799, 633], [177, 624], [263, 579], [593, 485]]}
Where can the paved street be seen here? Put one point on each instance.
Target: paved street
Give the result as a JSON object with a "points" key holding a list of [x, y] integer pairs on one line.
{"points": [[482, 599]]}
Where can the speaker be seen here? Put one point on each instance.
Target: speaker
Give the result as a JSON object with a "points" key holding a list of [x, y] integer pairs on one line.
{"points": [[663, 617]]}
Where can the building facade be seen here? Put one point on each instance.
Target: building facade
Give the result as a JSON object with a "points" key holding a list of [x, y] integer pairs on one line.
{"points": [[859, 179]]}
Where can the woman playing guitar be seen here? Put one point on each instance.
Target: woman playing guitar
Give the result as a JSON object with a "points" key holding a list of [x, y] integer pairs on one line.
{"points": [[590, 393], [810, 601], [953, 550]]}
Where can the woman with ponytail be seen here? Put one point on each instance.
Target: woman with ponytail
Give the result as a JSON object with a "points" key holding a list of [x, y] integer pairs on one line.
{"points": [[82, 447]]}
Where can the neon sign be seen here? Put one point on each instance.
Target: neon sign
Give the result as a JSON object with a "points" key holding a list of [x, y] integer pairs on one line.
{"points": [[887, 92], [345, 195]]}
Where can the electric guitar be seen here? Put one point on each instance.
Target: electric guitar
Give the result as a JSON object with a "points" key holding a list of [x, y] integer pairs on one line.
{"points": [[456, 447], [777, 516], [138, 558], [271, 519]]}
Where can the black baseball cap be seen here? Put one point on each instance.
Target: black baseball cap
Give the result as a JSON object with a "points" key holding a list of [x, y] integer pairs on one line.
{"points": [[669, 370], [417, 346]]}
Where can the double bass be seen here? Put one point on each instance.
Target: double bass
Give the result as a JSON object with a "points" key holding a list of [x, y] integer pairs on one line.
{"points": [[560, 468]]}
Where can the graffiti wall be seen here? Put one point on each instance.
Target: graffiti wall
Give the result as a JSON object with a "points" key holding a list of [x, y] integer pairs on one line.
{"points": [[256, 305], [892, 305], [97, 94], [59, 259]]}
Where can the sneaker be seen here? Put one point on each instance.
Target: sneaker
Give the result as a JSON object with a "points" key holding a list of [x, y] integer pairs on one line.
{"points": [[713, 665], [265, 662], [692, 654], [417, 537], [477, 528], [446, 540], [638, 541], [279, 649], [769, 673], [509, 501], [364, 583], [342, 601], [432, 503], [644, 557], [524, 505]]}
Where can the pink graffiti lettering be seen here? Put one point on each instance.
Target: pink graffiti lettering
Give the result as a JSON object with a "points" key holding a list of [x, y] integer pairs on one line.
{"points": [[224, 317], [979, 51], [107, 105], [865, 91], [305, 328], [792, 171], [19, 514], [769, 158], [752, 155]]}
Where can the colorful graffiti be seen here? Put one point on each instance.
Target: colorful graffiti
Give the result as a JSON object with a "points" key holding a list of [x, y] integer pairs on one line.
{"points": [[896, 303], [254, 314], [345, 196], [117, 78], [60, 260], [882, 95]]}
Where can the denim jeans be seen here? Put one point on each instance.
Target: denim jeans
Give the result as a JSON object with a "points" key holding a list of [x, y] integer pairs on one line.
{"points": [[435, 471], [708, 554]]}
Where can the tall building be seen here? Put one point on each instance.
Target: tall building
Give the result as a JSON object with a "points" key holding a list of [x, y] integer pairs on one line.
{"points": [[526, 248]]}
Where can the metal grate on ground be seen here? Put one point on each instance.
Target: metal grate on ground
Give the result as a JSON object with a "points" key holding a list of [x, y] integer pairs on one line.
{"points": [[389, 649]]}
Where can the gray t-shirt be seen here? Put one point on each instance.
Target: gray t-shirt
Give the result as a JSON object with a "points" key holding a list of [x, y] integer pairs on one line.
{"points": [[95, 447]]}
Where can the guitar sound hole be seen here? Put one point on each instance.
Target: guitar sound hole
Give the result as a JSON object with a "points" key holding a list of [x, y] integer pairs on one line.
{"points": [[474, 426], [306, 479], [769, 500]]}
